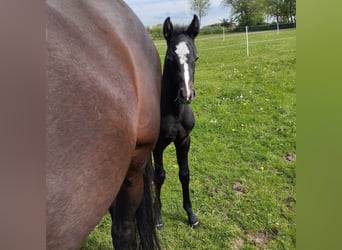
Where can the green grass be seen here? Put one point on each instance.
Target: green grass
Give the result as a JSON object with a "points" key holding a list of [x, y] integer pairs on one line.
{"points": [[245, 124]]}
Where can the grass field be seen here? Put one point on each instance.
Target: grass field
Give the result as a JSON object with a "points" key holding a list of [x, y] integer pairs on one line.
{"points": [[242, 156]]}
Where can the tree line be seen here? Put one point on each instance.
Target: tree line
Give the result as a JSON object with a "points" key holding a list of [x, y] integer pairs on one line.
{"points": [[251, 12], [244, 12]]}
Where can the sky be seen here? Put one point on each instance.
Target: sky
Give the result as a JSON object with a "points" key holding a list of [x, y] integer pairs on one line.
{"points": [[153, 12]]}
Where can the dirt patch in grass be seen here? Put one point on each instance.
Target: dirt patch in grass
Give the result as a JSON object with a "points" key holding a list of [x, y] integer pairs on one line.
{"points": [[238, 244], [290, 158], [259, 239], [238, 188]]}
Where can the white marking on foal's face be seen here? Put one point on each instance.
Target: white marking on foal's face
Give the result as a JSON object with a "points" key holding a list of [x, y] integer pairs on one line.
{"points": [[182, 51]]}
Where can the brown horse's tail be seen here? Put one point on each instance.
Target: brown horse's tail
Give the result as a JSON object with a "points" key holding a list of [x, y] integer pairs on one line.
{"points": [[145, 216]]}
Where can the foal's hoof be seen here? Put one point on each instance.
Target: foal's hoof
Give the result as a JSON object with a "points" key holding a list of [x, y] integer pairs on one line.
{"points": [[193, 221], [195, 224], [159, 226]]}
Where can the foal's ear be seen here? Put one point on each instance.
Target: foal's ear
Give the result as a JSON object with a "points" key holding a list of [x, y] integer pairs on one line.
{"points": [[167, 28], [194, 27]]}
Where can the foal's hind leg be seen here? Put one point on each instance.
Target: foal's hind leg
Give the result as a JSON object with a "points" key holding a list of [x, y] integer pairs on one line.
{"points": [[159, 177], [182, 150]]}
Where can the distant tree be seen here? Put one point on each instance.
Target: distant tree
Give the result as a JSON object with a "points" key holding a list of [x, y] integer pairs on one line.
{"points": [[200, 7], [282, 10], [289, 10], [247, 12], [226, 22]]}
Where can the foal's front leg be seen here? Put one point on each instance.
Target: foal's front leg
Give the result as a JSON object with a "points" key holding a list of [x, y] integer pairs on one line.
{"points": [[182, 150], [159, 177]]}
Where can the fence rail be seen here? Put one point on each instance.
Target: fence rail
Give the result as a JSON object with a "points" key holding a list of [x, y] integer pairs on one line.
{"points": [[244, 44], [157, 33], [272, 26]]}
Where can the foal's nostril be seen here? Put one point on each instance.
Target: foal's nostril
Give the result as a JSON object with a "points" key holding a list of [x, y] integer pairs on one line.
{"points": [[192, 95], [181, 93], [185, 97]]}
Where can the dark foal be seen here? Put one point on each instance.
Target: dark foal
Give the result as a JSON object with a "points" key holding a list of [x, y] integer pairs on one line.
{"points": [[177, 119]]}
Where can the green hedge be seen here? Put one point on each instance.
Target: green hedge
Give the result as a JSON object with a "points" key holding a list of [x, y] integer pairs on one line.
{"points": [[271, 26], [157, 32]]}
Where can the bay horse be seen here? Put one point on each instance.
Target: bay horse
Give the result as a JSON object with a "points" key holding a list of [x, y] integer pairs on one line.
{"points": [[103, 119], [177, 119]]}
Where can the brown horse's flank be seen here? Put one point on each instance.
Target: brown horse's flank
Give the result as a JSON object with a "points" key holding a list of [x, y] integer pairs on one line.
{"points": [[103, 81]]}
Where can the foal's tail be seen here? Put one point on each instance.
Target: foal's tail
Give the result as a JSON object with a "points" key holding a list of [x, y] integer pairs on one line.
{"points": [[144, 215]]}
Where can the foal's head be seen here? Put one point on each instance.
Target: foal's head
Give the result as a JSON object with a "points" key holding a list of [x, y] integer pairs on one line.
{"points": [[180, 58]]}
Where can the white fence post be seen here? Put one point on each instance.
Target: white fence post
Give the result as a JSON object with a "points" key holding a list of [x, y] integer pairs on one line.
{"points": [[247, 41], [277, 28]]}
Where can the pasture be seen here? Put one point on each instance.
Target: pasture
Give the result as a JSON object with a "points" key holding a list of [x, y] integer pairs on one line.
{"points": [[243, 148]]}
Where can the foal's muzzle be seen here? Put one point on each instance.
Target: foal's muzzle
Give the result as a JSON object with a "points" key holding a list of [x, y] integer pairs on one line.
{"points": [[184, 97]]}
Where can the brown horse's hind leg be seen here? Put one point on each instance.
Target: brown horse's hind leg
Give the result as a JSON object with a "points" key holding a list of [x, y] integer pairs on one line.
{"points": [[126, 204], [123, 216]]}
